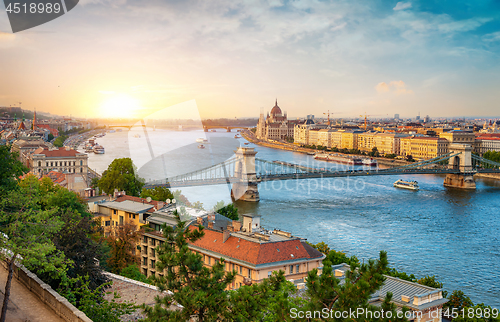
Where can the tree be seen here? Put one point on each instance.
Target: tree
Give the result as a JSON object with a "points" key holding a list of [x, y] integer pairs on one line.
{"points": [[198, 289], [229, 211], [402, 275], [458, 300], [26, 234], [10, 169], [121, 175], [374, 152], [157, 193], [271, 300], [335, 258], [122, 240], [477, 313], [50, 137], [59, 141], [322, 247], [325, 292]]}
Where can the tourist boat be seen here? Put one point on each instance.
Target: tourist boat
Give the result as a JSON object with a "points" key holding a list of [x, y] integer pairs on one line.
{"points": [[370, 162], [201, 140], [98, 149], [411, 185], [112, 131], [201, 146], [246, 143], [236, 136], [337, 158]]}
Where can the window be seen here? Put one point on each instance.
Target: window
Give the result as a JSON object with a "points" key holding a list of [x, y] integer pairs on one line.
{"points": [[114, 212], [81, 162], [145, 239], [153, 263], [241, 270], [153, 253], [121, 220], [297, 270], [209, 260], [291, 269], [144, 261], [269, 273]]}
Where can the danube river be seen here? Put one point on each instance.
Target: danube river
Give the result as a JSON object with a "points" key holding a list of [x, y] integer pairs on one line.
{"points": [[449, 233]]}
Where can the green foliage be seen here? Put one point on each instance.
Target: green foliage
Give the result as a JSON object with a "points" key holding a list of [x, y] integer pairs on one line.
{"points": [[492, 155], [402, 275], [132, 271], [374, 152], [199, 289], [409, 158], [122, 241], [91, 302], [157, 193], [322, 247], [121, 175], [198, 205], [390, 156], [229, 211], [458, 300], [10, 169], [326, 292], [59, 142], [336, 258], [271, 300], [26, 232], [50, 137]]}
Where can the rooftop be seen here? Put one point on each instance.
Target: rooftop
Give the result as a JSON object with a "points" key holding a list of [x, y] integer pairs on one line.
{"points": [[128, 206]]}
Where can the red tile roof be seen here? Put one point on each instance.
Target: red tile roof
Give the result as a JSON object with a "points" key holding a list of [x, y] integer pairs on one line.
{"points": [[56, 176], [254, 252], [488, 138], [61, 152]]}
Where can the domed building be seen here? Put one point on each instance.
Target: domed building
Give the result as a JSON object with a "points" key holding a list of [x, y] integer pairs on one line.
{"points": [[275, 126]]}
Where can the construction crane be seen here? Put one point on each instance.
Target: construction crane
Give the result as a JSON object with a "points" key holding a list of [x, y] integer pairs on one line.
{"points": [[328, 117], [365, 119]]}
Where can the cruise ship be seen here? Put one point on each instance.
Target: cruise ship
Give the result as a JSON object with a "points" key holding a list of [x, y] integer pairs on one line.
{"points": [[411, 185], [338, 158], [371, 162], [98, 149]]}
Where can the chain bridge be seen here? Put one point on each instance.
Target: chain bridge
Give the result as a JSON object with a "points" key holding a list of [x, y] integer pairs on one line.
{"points": [[244, 171]]}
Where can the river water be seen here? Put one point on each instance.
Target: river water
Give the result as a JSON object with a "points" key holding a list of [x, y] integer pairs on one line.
{"points": [[449, 233]]}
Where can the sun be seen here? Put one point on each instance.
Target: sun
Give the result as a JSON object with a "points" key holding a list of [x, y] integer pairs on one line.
{"points": [[119, 106]]}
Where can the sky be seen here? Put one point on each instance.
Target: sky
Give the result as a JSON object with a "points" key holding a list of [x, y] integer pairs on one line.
{"points": [[128, 58]]}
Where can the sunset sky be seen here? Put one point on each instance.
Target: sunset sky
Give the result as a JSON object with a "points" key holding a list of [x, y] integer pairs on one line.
{"points": [[132, 58]]}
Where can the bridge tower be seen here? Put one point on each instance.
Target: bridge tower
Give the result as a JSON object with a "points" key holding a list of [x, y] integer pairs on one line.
{"points": [[245, 187], [462, 163]]}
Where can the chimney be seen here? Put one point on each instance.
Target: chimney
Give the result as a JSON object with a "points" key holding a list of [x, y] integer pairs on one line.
{"points": [[225, 235], [339, 273], [236, 225], [67, 148], [405, 298], [211, 224], [115, 193], [199, 221], [160, 204]]}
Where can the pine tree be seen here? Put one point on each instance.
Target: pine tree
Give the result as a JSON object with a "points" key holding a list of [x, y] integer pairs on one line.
{"points": [[199, 289]]}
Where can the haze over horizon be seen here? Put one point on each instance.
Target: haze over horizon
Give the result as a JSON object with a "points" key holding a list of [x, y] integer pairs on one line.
{"points": [[132, 58]]}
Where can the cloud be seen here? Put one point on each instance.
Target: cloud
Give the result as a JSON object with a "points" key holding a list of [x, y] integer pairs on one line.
{"points": [[398, 87], [106, 92], [495, 36], [402, 6]]}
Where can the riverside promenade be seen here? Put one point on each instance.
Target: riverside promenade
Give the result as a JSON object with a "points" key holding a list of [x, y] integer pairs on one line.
{"points": [[23, 304]]}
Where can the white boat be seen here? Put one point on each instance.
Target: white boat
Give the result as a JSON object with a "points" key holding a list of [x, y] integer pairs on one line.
{"points": [[137, 136], [201, 146], [411, 185], [201, 140], [98, 149], [370, 161]]}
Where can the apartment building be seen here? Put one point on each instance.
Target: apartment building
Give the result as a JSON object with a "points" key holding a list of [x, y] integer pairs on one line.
{"points": [[26, 145], [247, 248], [350, 139], [423, 147]]}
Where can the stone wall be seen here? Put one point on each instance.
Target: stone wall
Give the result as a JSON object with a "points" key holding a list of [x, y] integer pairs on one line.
{"points": [[60, 305]]}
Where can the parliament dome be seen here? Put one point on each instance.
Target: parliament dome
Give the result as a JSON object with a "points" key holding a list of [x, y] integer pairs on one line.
{"points": [[276, 109]]}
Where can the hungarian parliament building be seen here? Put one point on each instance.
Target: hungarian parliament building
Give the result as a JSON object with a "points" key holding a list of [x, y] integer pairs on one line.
{"points": [[276, 125]]}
